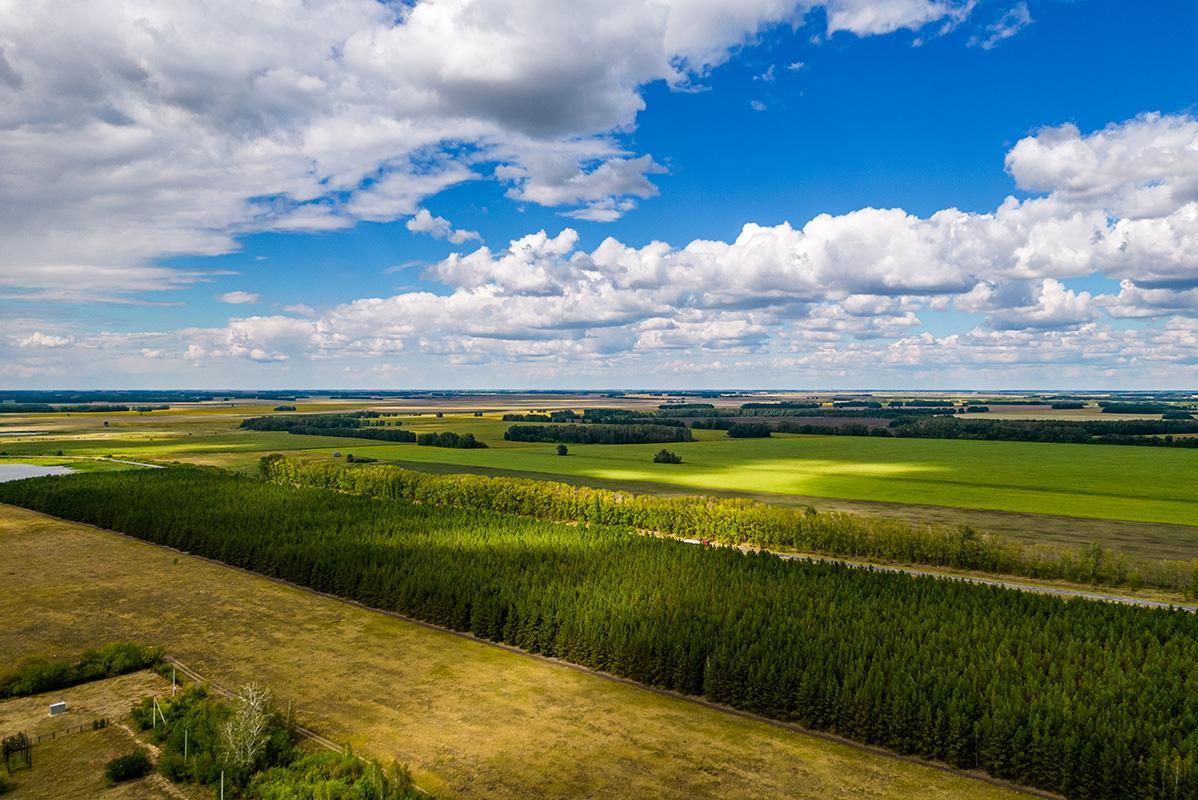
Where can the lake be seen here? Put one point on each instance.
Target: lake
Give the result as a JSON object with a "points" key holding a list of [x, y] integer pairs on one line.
{"points": [[15, 472]]}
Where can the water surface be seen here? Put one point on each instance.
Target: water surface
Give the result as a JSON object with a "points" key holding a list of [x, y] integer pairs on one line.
{"points": [[14, 472]]}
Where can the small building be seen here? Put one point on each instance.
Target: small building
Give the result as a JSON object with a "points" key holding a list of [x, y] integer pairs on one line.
{"points": [[58, 708]]}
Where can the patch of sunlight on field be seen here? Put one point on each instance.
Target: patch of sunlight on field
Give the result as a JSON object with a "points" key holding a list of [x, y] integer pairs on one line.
{"points": [[768, 475]]}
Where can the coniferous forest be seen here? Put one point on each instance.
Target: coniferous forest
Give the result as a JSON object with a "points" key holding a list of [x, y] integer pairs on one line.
{"points": [[1088, 699]]}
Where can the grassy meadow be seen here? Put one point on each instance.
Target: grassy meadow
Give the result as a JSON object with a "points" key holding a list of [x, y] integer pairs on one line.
{"points": [[472, 719]]}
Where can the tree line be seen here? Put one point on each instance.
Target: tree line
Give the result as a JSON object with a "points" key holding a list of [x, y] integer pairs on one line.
{"points": [[1088, 699], [1144, 432], [599, 434], [354, 425], [738, 521]]}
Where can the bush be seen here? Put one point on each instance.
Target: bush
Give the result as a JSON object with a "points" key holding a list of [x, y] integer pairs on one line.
{"points": [[128, 767], [43, 675], [562, 450], [749, 430], [664, 456], [333, 776]]}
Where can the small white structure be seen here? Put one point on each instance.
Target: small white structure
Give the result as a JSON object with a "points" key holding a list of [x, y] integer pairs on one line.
{"points": [[57, 708]]}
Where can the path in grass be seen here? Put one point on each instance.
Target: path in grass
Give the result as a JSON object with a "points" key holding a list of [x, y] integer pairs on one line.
{"points": [[473, 719]]}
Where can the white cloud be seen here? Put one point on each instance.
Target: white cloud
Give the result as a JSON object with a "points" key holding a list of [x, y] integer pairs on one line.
{"points": [[1012, 22], [39, 339], [439, 228], [149, 129], [238, 297], [757, 105], [836, 281], [870, 17]]}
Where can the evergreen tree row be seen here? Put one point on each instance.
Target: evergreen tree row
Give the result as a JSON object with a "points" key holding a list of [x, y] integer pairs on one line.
{"points": [[1088, 699], [742, 522]]}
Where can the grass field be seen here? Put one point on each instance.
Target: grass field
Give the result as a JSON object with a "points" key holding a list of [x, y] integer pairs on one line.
{"points": [[1088, 481], [472, 719]]}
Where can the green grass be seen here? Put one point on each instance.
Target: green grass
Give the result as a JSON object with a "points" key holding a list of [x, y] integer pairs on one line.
{"points": [[1141, 484], [1097, 481]]}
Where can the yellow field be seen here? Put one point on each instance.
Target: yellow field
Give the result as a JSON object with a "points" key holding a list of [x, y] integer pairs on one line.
{"points": [[472, 719]]}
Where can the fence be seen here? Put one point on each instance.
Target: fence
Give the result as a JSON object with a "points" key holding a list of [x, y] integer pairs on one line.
{"points": [[20, 746]]}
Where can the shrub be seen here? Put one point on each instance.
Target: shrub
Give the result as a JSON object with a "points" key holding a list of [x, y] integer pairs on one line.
{"points": [[562, 450], [128, 767], [664, 456], [43, 675]]}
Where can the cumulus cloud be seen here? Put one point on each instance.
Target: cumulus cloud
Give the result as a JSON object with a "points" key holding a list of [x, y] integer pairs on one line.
{"points": [[438, 228], [39, 339], [148, 129], [835, 282]]}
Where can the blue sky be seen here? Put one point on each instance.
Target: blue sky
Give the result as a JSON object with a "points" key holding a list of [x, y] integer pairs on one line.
{"points": [[147, 256]]}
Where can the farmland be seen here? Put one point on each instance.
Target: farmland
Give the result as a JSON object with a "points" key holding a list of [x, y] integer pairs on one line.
{"points": [[1104, 482], [831, 647], [400, 690]]}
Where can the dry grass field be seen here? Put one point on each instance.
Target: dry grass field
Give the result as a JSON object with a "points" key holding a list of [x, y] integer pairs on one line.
{"points": [[472, 719]]}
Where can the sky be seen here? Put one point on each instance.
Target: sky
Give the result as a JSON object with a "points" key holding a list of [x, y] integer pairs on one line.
{"points": [[475, 194]]}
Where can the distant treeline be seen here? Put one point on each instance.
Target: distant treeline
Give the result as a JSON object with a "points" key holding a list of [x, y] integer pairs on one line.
{"points": [[103, 408], [741, 522], [353, 419], [1109, 407], [1088, 699], [1143, 433], [1148, 432], [596, 433], [597, 416], [354, 425], [781, 405], [39, 675]]}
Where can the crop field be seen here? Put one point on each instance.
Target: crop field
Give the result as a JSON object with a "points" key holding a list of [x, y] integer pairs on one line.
{"points": [[472, 719]]}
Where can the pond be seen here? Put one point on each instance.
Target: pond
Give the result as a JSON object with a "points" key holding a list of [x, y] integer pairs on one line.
{"points": [[14, 472]]}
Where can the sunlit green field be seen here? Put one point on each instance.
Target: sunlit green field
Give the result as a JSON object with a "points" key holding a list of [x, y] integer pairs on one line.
{"points": [[1102, 482]]}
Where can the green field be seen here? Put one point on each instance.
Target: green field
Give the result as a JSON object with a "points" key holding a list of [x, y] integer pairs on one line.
{"points": [[1144, 484]]}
